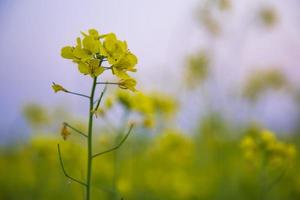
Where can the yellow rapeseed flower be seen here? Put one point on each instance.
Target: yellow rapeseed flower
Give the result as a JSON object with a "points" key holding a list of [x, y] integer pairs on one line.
{"points": [[90, 52], [128, 84], [58, 88], [266, 146], [65, 132]]}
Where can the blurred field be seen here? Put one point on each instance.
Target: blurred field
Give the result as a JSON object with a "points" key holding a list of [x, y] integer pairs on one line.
{"points": [[222, 122], [155, 163]]}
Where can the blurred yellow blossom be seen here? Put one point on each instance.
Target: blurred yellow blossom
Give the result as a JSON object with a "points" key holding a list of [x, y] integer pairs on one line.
{"points": [[65, 132], [268, 16], [148, 105], [197, 69], [57, 88], [265, 145], [260, 81], [149, 122], [128, 84]]}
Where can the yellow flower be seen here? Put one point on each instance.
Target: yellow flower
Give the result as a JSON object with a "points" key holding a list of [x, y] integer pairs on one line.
{"points": [[126, 63], [91, 67], [290, 151], [93, 49], [113, 48], [267, 136], [67, 52], [128, 84], [109, 103], [65, 132], [149, 122], [125, 99], [264, 145], [58, 88], [165, 104], [248, 143], [268, 139], [143, 104]]}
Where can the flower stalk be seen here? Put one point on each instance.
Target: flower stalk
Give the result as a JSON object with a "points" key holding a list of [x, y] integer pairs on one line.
{"points": [[89, 55], [89, 141]]}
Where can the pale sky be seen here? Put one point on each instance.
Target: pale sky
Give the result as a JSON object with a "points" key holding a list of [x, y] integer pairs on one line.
{"points": [[160, 32]]}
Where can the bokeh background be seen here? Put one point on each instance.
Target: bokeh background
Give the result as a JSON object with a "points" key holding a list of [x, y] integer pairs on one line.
{"points": [[216, 75]]}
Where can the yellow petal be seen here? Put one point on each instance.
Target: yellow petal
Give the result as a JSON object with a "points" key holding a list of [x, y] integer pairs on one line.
{"points": [[89, 43], [81, 53], [120, 73], [67, 52], [84, 68], [97, 71], [94, 33]]}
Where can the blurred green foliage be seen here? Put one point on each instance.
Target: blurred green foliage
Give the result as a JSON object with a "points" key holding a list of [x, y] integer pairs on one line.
{"points": [[217, 161], [206, 164]]}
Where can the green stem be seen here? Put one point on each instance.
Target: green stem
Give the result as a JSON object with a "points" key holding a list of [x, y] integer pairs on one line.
{"points": [[89, 142]]}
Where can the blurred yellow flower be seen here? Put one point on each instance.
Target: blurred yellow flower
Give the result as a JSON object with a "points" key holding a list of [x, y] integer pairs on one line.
{"points": [[65, 132], [149, 122], [128, 84], [260, 81], [248, 142], [267, 147], [57, 88]]}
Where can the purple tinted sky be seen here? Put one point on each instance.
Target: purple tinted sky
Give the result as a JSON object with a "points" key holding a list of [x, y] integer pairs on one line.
{"points": [[160, 32]]}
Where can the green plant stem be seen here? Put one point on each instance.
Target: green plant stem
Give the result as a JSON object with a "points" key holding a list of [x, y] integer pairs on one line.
{"points": [[117, 146], [78, 94], [64, 171], [100, 98], [75, 129], [108, 83], [89, 142]]}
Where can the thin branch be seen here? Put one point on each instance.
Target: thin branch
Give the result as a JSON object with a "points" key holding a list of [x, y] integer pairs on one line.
{"points": [[74, 129], [108, 83], [101, 96], [82, 95], [64, 171], [116, 147]]}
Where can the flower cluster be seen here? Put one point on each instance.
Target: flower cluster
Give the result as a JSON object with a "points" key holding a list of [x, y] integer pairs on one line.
{"points": [[265, 147], [147, 105], [91, 53]]}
